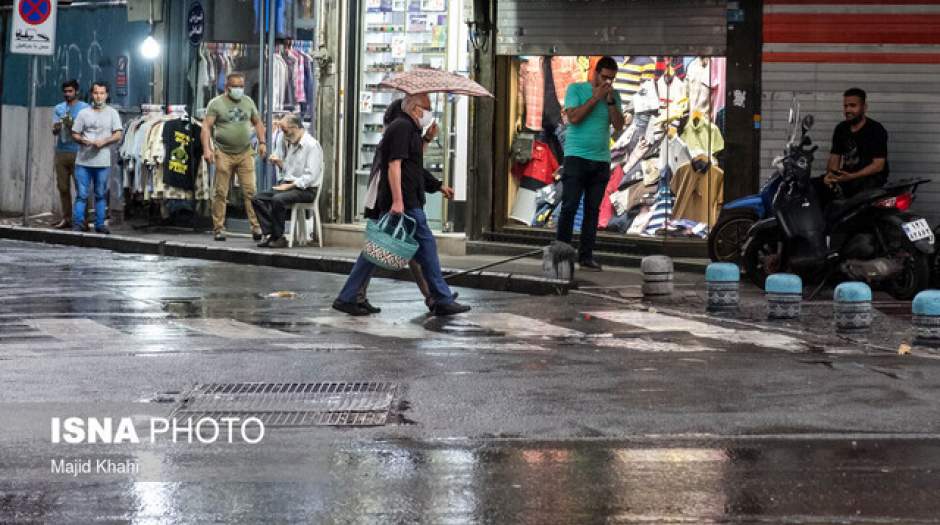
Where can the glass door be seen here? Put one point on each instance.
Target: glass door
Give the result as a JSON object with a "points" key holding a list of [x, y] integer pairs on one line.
{"points": [[400, 35]]}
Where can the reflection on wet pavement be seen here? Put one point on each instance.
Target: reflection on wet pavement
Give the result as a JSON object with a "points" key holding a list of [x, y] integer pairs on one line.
{"points": [[826, 481], [527, 410]]}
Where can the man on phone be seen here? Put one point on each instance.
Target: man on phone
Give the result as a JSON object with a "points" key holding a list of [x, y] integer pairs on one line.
{"points": [[592, 108], [858, 159]]}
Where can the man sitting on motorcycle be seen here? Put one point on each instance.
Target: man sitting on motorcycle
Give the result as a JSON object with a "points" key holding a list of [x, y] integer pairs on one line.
{"points": [[858, 159]]}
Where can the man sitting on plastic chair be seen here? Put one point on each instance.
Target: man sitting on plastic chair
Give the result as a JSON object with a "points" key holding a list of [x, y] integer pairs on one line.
{"points": [[300, 161]]}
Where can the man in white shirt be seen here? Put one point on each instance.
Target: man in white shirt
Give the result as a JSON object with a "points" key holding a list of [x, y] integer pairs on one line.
{"points": [[301, 163], [95, 129]]}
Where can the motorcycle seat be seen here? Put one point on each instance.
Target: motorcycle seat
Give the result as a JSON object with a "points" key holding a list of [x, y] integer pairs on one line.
{"points": [[838, 208]]}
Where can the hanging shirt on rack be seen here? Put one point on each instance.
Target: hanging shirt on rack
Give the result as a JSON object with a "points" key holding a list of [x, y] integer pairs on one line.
{"points": [[532, 87], [299, 93], [631, 72], [183, 152], [703, 137]]}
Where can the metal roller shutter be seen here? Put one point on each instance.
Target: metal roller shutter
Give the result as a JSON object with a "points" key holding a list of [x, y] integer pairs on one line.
{"points": [[626, 27], [815, 51]]}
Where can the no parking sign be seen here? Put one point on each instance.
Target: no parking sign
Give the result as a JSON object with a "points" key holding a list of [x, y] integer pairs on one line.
{"points": [[33, 27]]}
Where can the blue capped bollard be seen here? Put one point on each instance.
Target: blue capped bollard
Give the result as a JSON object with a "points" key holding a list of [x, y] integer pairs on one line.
{"points": [[721, 284], [852, 307], [784, 296], [926, 320], [657, 275]]}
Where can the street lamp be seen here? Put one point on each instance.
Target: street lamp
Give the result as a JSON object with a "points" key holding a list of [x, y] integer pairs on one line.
{"points": [[150, 48]]}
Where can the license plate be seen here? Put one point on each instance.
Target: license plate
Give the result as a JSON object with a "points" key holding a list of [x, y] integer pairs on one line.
{"points": [[917, 230]]}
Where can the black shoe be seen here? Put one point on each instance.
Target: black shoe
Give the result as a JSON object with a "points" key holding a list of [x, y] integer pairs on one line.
{"points": [[265, 243], [77, 228], [280, 242], [104, 230], [256, 236], [219, 236], [449, 309], [590, 265], [430, 303], [369, 308], [350, 308]]}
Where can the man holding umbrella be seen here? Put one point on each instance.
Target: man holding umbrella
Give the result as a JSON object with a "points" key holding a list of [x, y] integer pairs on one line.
{"points": [[402, 191], [403, 183]]}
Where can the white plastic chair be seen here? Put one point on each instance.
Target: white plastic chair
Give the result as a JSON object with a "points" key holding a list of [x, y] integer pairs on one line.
{"points": [[299, 230]]}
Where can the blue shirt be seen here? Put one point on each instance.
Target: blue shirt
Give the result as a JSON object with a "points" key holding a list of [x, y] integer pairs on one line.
{"points": [[64, 141], [590, 138]]}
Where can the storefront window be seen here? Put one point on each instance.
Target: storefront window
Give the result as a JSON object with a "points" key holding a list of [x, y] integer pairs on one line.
{"points": [[666, 177], [401, 35]]}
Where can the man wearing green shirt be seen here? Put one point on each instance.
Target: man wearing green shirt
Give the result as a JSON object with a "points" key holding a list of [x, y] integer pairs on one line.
{"points": [[228, 122], [591, 108]]}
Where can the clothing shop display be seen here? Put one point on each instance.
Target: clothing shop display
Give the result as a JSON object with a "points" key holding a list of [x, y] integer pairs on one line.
{"points": [[705, 79], [631, 72], [657, 186], [293, 86], [532, 88], [670, 66], [541, 165], [181, 148], [662, 206], [702, 137], [698, 195], [157, 164]]}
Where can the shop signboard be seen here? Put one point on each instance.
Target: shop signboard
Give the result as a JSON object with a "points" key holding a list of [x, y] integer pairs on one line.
{"points": [[196, 23], [120, 76]]}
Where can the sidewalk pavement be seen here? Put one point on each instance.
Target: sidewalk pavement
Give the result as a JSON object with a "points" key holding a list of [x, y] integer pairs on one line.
{"points": [[522, 276], [890, 329]]}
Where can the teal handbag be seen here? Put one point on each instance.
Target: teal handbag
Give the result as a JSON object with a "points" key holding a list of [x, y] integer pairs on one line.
{"points": [[387, 247]]}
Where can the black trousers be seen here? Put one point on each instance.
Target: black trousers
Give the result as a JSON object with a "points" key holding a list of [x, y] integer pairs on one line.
{"points": [[588, 178], [271, 208]]}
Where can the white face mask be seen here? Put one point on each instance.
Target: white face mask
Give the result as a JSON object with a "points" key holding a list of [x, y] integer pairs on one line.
{"points": [[236, 93], [427, 118]]}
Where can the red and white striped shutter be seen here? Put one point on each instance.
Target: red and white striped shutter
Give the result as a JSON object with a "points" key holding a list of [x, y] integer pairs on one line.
{"points": [[816, 50]]}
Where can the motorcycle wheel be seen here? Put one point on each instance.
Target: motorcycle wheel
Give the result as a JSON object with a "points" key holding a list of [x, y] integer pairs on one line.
{"points": [[764, 255], [726, 238], [914, 278]]}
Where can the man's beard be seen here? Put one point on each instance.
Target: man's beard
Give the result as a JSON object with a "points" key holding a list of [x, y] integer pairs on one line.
{"points": [[855, 120]]}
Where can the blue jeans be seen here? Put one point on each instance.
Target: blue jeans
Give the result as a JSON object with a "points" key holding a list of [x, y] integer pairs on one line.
{"points": [[84, 177], [426, 256]]}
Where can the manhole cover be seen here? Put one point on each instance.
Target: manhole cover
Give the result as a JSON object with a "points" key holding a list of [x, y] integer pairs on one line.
{"points": [[292, 404]]}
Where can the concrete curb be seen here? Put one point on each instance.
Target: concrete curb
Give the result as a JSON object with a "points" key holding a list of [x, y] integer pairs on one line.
{"points": [[483, 280], [621, 260]]}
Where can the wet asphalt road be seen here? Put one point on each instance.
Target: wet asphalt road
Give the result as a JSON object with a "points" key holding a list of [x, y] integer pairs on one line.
{"points": [[572, 409]]}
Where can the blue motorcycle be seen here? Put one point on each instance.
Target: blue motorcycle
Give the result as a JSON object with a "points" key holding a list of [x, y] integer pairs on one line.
{"points": [[735, 219]]}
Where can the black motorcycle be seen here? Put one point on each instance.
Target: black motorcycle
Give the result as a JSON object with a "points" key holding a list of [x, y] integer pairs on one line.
{"points": [[868, 237]]}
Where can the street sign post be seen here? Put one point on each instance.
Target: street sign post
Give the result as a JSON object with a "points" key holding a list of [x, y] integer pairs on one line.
{"points": [[33, 33]]}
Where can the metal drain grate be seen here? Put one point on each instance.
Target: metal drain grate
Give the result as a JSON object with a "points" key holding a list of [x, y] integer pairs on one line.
{"points": [[292, 404]]}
